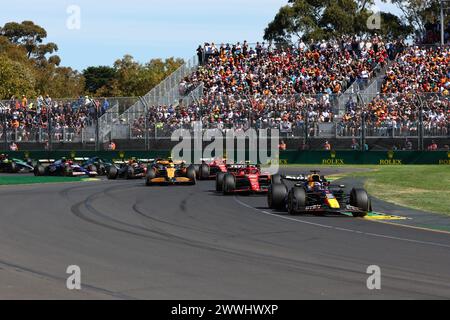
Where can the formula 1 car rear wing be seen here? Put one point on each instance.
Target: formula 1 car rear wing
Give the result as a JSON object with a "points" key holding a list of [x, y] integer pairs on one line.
{"points": [[121, 161], [46, 161], [300, 177]]}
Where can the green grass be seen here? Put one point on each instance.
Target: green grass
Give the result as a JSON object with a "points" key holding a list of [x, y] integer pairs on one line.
{"points": [[20, 180], [420, 187]]}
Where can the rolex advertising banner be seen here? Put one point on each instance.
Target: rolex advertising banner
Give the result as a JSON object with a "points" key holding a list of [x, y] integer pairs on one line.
{"points": [[331, 158]]}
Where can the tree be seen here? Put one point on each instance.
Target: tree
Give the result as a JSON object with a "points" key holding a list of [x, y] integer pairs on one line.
{"points": [[308, 19], [30, 36], [29, 66], [323, 19], [418, 12], [15, 78], [392, 27], [98, 77]]}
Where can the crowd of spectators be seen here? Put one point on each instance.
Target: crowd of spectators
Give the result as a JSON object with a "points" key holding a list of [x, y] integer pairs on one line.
{"points": [[288, 113], [418, 82], [31, 120], [308, 68], [398, 115], [263, 86], [266, 86]]}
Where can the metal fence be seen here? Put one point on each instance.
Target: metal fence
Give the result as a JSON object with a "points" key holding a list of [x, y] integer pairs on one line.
{"points": [[167, 92], [83, 123]]}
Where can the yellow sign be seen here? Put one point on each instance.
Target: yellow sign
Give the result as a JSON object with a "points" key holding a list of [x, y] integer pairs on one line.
{"points": [[390, 162], [278, 161], [333, 162]]}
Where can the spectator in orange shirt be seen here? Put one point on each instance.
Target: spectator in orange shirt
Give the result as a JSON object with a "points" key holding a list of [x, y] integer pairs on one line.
{"points": [[327, 146]]}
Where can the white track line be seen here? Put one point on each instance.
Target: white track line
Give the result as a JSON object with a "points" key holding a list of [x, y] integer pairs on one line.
{"points": [[341, 229]]}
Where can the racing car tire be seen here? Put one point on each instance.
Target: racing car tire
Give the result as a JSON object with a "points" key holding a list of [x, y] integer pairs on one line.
{"points": [[129, 174], [219, 181], [68, 172], [14, 168], [360, 199], [197, 169], [229, 184], [191, 174], [276, 179], [101, 170], [151, 174], [92, 167], [112, 173], [276, 197], [39, 170], [203, 172], [296, 201]]}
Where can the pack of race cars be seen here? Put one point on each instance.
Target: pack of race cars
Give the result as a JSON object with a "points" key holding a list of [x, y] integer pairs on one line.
{"points": [[304, 193]]}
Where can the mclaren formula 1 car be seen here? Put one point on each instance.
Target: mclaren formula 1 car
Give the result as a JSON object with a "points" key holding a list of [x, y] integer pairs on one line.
{"points": [[242, 179], [132, 169], [314, 194], [11, 165], [168, 172], [62, 167]]}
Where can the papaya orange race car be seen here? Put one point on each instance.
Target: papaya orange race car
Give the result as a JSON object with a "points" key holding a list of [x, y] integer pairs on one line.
{"points": [[168, 172]]}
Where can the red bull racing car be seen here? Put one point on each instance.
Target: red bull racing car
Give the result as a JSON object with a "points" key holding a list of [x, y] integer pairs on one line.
{"points": [[242, 179], [314, 194]]}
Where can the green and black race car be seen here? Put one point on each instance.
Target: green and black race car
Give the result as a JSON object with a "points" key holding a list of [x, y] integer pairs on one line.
{"points": [[12, 165]]}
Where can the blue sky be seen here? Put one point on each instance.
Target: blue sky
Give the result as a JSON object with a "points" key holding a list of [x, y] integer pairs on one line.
{"points": [[145, 29]]}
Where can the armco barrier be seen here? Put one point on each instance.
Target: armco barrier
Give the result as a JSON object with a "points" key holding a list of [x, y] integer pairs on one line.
{"points": [[331, 158]]}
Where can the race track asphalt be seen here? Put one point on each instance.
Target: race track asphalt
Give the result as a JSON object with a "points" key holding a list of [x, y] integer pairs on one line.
{"points": [[135, 242]]}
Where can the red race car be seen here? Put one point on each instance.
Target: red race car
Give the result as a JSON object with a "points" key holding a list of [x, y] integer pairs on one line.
{"points": [[209, 168], [242, 178]]}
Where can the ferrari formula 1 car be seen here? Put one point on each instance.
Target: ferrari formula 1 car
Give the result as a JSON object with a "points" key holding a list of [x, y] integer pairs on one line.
{"points": [[209, 168], [132, 169], [314, 194], [11, 165], [62, 167], [242, 178], [168, 172]]}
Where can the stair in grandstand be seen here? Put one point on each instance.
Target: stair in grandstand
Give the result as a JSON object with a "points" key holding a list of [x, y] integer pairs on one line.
{"points": [[367, 90], [374, 86], [167, 92]]}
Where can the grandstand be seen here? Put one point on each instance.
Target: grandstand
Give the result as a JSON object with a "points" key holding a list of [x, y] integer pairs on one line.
{"points": [[351, 92]]}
